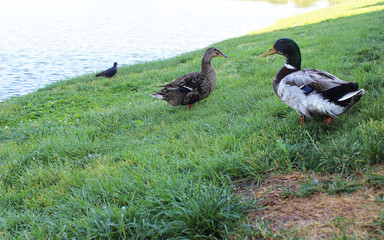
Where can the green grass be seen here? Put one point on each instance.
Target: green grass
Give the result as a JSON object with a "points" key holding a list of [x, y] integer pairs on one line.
{"points": [[100, 158]]}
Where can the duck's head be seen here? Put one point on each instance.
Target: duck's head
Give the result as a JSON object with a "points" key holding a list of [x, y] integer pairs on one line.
{"points": [[214, 52], [288, 48], [115, 64]]}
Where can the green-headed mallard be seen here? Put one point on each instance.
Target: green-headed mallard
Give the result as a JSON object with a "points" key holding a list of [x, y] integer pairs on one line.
{"points": [[110, 72], [192, 87], [310, 92]]}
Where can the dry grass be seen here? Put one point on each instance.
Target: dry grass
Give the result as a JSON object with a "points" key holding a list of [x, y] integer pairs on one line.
{"points": [[319, 216]]}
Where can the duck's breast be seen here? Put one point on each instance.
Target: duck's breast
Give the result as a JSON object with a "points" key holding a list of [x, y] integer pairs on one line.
{"points": [[293, 96]]}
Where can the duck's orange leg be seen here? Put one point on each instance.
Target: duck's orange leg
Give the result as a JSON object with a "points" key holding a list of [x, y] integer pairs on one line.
{"points": [[302, 118], [190, 106], [329, 120]]}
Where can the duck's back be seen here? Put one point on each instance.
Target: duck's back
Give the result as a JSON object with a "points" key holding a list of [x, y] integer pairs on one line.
{"points": [[192, 80], [316, 79], [187, 89], [315, 92]]}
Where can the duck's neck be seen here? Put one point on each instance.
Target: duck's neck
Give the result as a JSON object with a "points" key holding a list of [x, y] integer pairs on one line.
{"points": [[294, 59], [207, 69], [292, 64]]}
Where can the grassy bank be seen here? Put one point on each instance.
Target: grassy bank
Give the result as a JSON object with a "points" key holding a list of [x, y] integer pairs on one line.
{"points": [[99, 158]]}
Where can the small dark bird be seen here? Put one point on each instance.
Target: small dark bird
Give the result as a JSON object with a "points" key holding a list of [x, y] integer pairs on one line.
{"points": [[109, 72], [311, 92], [192, 87]]}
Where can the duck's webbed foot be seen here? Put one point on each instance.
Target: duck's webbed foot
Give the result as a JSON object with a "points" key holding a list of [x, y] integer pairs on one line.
{"points": [[328, 120]]}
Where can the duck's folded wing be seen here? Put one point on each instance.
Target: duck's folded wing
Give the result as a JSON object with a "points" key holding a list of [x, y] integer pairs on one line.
{"points": [[187, 83], [315, 79]]}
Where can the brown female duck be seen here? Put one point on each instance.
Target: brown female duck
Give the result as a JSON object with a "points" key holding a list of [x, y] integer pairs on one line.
{"points": [[192, 87]]}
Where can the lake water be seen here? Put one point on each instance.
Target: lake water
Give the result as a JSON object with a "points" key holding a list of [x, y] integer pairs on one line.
{"points": [[43, 41]]}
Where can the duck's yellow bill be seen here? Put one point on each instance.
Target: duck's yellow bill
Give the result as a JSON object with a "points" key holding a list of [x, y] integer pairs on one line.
{"points": [[269, 52], [223, 55]]}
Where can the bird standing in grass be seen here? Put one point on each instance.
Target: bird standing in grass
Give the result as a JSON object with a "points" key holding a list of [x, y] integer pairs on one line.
{"points": [[310, 92], [192, 87], [110, 72]]}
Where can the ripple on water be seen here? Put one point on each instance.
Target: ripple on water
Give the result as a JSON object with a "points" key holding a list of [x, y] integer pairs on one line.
{"points": [[70, 39]]}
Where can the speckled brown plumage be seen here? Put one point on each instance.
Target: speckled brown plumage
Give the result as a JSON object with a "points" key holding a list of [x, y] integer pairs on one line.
{"points": [[192, 87]]}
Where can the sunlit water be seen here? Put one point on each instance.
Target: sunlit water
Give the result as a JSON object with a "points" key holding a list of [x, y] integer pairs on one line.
{"points": [[43, 41]]}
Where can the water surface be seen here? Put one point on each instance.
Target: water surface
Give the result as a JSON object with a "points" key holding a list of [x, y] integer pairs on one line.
{"points": [[43, 41]]}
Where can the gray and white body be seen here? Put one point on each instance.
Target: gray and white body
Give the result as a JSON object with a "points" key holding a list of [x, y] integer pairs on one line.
{"points": [[310, 92], [306, 92]]}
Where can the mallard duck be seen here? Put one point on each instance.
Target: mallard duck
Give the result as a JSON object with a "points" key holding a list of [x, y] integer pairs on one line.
{"points": [[110, 72], [194, 86], [310, 92]]}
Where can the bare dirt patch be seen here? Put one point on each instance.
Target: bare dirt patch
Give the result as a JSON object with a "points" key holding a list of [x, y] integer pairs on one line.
{"points": [[318, 216]]}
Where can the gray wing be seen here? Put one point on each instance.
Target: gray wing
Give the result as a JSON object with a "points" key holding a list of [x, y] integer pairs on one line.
{"points": [[316, 79]]}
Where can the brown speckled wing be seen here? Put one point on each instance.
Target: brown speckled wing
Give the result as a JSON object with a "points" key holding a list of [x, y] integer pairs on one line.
{"points": [[190, 80]]}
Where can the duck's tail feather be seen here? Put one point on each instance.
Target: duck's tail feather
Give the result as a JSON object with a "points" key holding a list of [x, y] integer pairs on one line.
{"points": [[157, 95], [352, 95], [345, 94]]}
